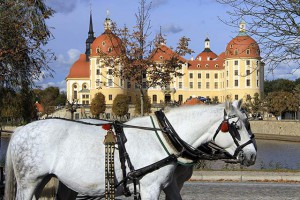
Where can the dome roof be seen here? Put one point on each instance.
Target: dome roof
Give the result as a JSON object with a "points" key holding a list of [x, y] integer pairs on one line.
{"points": [[107, 43], [80, 69], [207, 54], [242, 46]]}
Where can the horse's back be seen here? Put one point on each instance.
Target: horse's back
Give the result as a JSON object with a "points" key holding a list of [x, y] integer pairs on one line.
{"points": [[50, 145]]}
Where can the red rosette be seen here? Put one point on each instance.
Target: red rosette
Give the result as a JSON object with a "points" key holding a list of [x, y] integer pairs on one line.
{"points": [[224, 126], [106, 126]]}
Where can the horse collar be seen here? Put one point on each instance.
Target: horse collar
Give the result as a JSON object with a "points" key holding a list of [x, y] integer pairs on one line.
{"points": [[186, 153]]}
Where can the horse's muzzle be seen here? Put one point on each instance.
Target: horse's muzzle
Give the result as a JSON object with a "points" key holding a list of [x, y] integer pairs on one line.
{"points": [[246, 160]]}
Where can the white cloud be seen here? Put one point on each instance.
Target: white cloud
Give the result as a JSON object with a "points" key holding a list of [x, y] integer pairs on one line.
{"points": [[158, 3], [171, 28], [73, 55], [60, 84]]}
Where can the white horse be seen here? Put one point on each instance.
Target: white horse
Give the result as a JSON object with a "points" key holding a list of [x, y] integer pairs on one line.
{"points": [[74, 152]]}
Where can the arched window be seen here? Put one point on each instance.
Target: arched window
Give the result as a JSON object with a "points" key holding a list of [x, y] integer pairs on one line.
{"points": [[75, 91]]}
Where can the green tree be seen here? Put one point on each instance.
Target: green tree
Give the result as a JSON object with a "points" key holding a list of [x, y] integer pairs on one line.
{"points": [[120, 105], [279, 102], [146, 104], [279, 85], [274, 23], [11, 104], [23, 56], [98, 105], [23, 35], [48, 99]]}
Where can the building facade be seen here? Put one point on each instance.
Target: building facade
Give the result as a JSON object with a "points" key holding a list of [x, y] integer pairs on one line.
{"points": [[236, 73]]}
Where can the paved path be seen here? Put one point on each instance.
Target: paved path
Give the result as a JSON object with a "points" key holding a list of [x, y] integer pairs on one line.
{"points": [[238, 191]]}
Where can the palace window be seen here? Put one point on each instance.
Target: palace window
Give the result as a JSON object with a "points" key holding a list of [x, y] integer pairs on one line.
{"points": [[248, 82], [236, 97], [207, 85], [180, 85], [110, 97], [199, 85], [236, 83], [236, 62], [154, 98], [207, 75], [191, 85], [199, 75], [109, 83], [180, 97], [216, 85], [247, 72], [191, 75], [216, 75], [236, 72]]}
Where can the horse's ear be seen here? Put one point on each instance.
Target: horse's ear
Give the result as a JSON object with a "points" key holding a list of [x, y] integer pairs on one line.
{"points": [[240, 102], [228, 106]]}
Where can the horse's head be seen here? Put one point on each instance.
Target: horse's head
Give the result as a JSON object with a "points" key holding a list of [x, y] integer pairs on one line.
{"points": [[235, 134]]}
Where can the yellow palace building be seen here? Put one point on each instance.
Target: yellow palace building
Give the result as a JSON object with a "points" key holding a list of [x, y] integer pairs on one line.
{"points": [[236, 73]]}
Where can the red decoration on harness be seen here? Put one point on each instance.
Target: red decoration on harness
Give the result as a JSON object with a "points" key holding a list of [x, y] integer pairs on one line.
{"points": [[224, 126], [106, 127]]}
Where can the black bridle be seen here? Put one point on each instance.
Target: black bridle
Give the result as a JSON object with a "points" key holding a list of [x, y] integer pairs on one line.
{"points": [[233, 130]]}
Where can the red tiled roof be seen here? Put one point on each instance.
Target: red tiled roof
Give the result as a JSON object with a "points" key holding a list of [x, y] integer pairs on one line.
{"points": [[80, 69], [216, 64], [163, 53], [107, 43], [206, 55], [241, 44]]}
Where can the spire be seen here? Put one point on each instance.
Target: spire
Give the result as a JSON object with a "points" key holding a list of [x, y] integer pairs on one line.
{"points": [[242, 26], [90, 38], [91, 31], [160, 40], [107, 22], [207, 44]]}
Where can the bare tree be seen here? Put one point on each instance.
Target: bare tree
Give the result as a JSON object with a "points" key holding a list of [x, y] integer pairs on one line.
{"points": [[136, 52], [275, 26]]}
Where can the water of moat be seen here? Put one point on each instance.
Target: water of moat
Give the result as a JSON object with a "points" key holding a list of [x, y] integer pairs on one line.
{"points": [[271, 155]]}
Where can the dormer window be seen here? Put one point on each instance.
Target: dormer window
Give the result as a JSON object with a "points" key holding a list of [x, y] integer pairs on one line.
{"points": [[206, 65], [217, 66], [109, 49], [103, 43], [231, 46], [98, 50], [160, 57], [248, 51], [236, 52], [198, 65]]}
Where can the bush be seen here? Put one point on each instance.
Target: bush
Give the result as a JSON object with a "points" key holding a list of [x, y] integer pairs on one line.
{"points": [[120, 105], [98, 105]]}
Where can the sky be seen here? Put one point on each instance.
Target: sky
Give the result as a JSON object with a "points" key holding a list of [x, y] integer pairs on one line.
{"points": [[195, 19]]}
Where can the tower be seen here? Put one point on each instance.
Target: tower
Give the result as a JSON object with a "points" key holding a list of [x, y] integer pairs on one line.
{"points": [[90, 39]]}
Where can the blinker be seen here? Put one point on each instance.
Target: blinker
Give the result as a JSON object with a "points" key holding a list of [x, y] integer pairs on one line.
{"points": [[225, 126]]}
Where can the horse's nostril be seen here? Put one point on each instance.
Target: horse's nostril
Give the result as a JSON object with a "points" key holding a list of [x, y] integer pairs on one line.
{"points": [[253, 157]]}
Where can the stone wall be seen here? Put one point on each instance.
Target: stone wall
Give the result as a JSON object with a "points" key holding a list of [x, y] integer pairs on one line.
{"points": [[281, 130]]}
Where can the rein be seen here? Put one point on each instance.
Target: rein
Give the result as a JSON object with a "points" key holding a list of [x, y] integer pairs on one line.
{"points": [[208, 151]]}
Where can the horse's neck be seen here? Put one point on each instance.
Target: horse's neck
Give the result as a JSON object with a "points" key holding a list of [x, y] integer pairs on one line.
{"points": [[197, 125]]}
